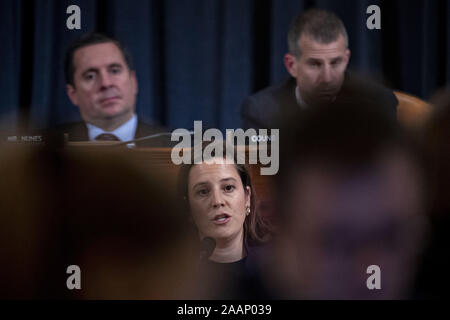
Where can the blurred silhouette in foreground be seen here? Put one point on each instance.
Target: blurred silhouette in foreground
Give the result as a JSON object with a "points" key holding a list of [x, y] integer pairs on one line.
{"points": [[351, 195], [433, 282], [96, 211]]}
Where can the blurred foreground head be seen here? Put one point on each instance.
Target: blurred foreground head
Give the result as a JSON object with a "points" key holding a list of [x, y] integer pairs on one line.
{"points": [[93, 210], [351, 196], [437, 142], [436, 136]]}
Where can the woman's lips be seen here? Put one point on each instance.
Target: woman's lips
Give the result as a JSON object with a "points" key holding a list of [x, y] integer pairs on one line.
{"points": [[221, 219]]}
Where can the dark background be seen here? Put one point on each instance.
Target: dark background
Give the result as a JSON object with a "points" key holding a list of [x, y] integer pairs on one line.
{"points": [[198, 59]]}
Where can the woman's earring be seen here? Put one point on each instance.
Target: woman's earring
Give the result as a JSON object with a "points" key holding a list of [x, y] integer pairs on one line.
{"points": [[247, 211]]}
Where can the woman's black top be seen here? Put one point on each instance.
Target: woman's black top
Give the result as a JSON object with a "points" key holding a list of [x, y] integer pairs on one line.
{"points": [[234, 280]]}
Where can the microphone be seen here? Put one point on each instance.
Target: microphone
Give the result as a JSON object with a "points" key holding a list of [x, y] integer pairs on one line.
{"points": [[207, 247], [156, 135]]}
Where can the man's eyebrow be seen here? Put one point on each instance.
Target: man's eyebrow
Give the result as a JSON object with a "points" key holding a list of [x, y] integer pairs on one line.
{"points": [[227, 179], [115, 64], [336, 59], [91, 69], [314, 60]]}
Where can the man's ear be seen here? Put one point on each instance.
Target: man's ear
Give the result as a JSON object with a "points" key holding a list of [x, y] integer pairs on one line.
{"points": [[71, 93], [347, 55], [134, 80], [290, 62]]}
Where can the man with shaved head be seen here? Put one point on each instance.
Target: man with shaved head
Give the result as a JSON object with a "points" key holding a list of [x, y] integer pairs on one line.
{"points": [[317, 62]]}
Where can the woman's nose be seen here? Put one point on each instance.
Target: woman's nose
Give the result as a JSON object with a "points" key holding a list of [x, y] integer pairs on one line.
{"points": [[217, 199]]}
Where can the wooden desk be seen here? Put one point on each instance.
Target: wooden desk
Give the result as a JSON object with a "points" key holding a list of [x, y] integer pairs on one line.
{"points": [[159, 160]]}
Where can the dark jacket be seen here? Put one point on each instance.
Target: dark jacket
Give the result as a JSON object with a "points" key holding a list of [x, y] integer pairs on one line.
{"points": [[267, 108], [236, 280]]}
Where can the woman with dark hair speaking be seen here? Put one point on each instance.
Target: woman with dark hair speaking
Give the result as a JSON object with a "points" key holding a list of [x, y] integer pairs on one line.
{"points": [[221, 201]]}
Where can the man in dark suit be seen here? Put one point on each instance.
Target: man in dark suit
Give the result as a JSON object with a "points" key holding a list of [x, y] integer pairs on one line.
{"points": [[101, 82], [317, 61]]}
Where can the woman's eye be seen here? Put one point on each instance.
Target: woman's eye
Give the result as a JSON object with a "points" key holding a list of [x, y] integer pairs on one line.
{"points": [[229, 188], [202, 192]]}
